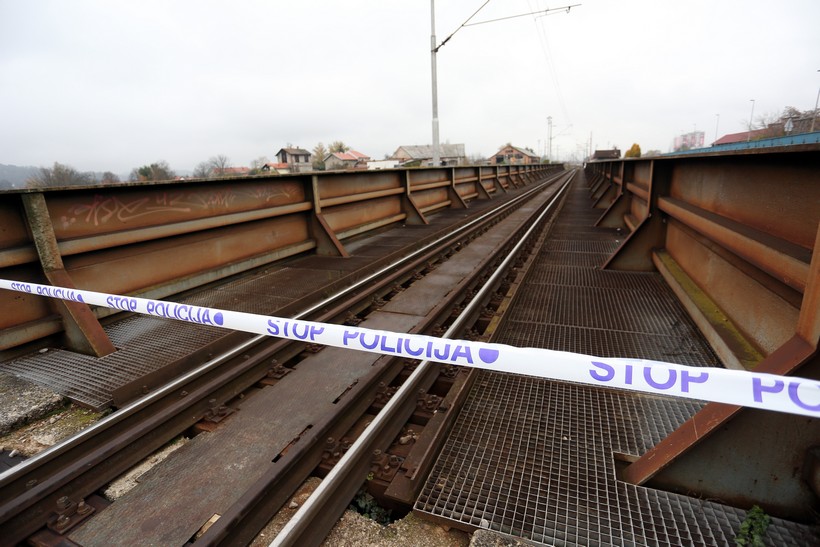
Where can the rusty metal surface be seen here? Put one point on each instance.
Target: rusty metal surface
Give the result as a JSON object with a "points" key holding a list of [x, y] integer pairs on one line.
{"points": [[160, 239], [535, 458], [714, 417], [742, 225], [147, 344], [237, 456], [209, 474]]}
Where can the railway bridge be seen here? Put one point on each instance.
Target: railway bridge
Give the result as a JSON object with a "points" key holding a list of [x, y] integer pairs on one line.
{"points": [[542, 345]]}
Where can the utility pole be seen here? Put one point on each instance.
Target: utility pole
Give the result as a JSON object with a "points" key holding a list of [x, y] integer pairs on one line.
{"points": [[814, 117], [549, 126], [433, 50], [435, 47], [749, 134]]}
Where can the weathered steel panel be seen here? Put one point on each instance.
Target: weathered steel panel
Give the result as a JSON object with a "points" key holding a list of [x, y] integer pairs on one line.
{"points": [[421, 177], [351, 183], [343, 217], [13, 231], [778, 194], [427, 198], [20, 308], [136, 267], [111, 209], [763, 316]]}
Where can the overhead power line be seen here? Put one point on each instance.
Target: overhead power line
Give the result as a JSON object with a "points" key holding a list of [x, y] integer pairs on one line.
{"points": [[542, 12], [464, 24], [467, 23]]}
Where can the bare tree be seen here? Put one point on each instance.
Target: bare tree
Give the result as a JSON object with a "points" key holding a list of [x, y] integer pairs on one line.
{"points": [[219, 164], [60, 175], [258, 164], [109, 178], [202, 170]]}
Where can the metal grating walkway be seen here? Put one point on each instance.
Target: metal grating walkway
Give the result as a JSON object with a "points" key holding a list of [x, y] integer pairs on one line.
{"points": [[535, 459]]}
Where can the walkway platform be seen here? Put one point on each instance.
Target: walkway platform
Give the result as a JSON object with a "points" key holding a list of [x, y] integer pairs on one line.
{"points": [[536, 459]]}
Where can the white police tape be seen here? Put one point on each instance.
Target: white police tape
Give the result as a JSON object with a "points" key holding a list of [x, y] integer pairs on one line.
{"points": [[757, 390]]}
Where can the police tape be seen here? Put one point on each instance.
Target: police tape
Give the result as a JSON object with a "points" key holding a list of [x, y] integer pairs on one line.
{"points": [[750, 389]]}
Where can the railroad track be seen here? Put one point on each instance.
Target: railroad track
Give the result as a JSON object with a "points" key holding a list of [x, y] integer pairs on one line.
{"points": [[52, 493]]}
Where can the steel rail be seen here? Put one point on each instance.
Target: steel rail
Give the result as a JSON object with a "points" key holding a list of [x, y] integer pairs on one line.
{"points": [[301, 529], [40, 487], [239, 524], [146, 400]]}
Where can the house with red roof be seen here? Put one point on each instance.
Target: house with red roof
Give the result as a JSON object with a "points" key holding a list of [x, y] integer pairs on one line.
{"points": [[298, 160], [346, 160], [510, 154], [233, 171], [275, 168]]}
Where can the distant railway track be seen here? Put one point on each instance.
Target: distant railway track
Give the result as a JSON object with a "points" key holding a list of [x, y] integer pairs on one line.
{"points": [[51, 488]]}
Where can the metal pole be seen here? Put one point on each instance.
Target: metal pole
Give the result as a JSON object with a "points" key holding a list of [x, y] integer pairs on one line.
{"points": [[717, 123], [814, 117], [549, 125], [749, 133], [436, 150]]}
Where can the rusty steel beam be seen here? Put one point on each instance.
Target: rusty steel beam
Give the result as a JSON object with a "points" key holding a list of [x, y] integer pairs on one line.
{"points": [[158, 239], [782, 259], [699, 471], [730, 344], [364, 196], [635, 252], [83, 332], [412, 214], [496, 181], [808, 322], [456, 199], [736, 236], [741, 225]]}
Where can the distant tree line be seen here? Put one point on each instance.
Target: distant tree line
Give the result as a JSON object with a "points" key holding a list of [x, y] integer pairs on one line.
{"points": [[214, 167], [65, 175]]}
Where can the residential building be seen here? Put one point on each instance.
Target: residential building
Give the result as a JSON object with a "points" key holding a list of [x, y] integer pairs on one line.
{"points": [[297, 159], [232, 171], [275, 168], [689, 141], [450, 154], [346, 160], [613, 154], [793, 122], [382, 164], [510, 154]]}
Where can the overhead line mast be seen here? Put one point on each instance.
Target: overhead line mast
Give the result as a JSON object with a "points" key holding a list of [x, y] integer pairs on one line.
{"points": [[434, 49]]}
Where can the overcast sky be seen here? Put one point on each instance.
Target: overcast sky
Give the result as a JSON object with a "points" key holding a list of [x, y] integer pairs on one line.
{"points": [[110, 85]]}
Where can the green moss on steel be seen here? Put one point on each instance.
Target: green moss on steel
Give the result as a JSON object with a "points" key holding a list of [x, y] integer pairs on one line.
{"points": [[745, 352]]}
